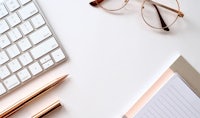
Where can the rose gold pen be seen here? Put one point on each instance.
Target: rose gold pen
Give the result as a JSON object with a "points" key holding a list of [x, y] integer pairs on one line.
{"points": [[21, 103], [47, 110]]}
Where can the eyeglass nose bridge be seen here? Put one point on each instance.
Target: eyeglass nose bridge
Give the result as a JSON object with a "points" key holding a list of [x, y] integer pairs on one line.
{"points": [[180, 14]]}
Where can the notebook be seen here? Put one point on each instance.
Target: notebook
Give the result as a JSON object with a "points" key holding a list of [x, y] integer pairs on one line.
{"points": [[176, 94]]}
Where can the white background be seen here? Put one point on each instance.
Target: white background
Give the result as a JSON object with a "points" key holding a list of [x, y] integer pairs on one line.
{"points": [[114, 59]]}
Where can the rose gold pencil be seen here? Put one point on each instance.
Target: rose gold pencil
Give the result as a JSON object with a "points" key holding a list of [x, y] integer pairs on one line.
{"points": [[21, 103]]}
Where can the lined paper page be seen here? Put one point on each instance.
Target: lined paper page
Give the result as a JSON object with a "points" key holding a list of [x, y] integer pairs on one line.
{"points": [[174, 100]]}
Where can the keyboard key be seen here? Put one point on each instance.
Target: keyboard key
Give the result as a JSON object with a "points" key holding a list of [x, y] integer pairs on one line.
{"points": [[11, 82], [24, 75], [12, 4], [25, 59], [23, 2], [28, 11], [13, 51], [58, 55], [13, 19], [3, 57], [45, 59], [4, 41], [35, 68], [26, 27], [44, 48], [14, 65], [14, 34], [37, 21], [40, 35], [3, 11], [2, 89], [3, 26], [47, 64], [24, 44], [4, 72]]}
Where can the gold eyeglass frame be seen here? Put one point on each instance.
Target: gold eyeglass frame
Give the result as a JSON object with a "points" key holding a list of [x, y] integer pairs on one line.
{"points": [[179, 13]]}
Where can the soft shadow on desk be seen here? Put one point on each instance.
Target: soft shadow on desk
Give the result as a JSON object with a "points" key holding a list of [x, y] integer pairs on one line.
{"points": [[186, 25], [182, 25]]}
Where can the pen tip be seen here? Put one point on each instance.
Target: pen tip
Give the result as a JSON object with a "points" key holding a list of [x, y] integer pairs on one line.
{"points": [[64, 76]]}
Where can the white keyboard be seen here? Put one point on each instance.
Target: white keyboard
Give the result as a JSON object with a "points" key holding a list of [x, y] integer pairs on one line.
{"points": [[28, 46]]}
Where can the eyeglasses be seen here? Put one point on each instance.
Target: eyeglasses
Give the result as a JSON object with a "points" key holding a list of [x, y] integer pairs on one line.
{"points": [[155, 14]]}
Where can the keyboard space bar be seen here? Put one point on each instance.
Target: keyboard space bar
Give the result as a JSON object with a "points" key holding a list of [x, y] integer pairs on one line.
{"points": [[43, 48]]}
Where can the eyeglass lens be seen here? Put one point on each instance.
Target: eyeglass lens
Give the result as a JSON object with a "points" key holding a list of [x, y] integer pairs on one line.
{"points": [[157, 16]]}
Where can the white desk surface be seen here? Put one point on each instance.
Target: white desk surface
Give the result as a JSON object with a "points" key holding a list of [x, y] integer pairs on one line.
{"points": [[114, 59]]}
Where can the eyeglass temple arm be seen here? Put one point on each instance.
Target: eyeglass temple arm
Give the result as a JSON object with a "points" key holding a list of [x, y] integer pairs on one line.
{"points": [[95, 2], [180, 14], [163, 24]]}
